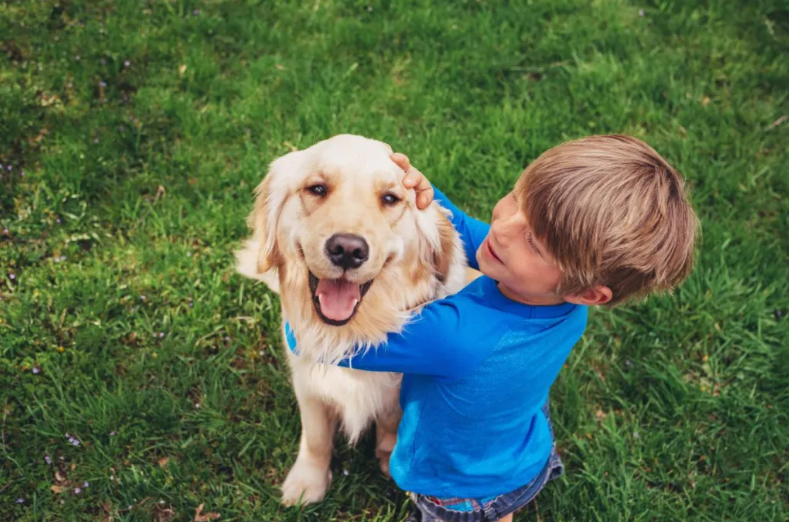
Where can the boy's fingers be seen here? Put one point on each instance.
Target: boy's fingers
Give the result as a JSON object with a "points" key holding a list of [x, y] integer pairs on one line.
{"points": [[413, 179], [401, 160], [424, 198]]}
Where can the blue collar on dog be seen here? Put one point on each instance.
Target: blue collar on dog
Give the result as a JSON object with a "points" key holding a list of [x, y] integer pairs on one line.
{"points": [[290, 338]]}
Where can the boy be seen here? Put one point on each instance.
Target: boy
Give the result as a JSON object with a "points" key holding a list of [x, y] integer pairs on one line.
{"points": [[595, 221]]}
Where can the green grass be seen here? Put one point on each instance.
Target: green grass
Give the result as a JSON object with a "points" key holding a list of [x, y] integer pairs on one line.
{"points": [[124, 325]]}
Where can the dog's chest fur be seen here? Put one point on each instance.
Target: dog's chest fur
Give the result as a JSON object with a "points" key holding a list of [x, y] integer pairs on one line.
{"points": [[357, 397]]}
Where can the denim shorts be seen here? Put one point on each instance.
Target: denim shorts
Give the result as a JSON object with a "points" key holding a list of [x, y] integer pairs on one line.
{"points": [[489, 509]]}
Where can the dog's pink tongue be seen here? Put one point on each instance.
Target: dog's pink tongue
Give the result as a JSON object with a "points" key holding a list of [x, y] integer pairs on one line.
{"points": [[337, 298]]}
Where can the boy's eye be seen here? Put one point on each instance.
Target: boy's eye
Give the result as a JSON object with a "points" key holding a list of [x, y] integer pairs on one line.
{"points": [[532, 244], [390, 199], [319, 189]]}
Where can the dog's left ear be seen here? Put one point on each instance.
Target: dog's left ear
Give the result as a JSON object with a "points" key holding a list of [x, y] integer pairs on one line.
{"points": [[443, 256], [439, 240]]}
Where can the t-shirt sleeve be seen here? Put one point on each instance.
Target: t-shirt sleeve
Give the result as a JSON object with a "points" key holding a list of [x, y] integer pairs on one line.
{"points": [[472, 231], [432, 344]]}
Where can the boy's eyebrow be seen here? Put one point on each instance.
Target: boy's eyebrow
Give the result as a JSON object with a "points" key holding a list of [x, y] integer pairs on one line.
{"points": [[536, 242]]}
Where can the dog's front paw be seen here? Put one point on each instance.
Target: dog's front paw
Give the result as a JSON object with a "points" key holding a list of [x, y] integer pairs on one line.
{"points": [[383, 451], [305, 484]]}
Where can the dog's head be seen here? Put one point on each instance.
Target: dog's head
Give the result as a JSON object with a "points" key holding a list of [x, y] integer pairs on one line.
{"points": [[336, 221]]}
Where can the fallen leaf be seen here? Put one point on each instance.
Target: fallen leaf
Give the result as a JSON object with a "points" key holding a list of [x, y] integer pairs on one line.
{"points": [[59, 477], [58, 489], [163, 461], [162, 514], [182, 69], [107, 506], [199, 517], [778, 122]]}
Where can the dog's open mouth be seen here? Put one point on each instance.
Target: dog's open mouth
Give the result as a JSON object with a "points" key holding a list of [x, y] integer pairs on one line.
{"points": [[336, 300]]}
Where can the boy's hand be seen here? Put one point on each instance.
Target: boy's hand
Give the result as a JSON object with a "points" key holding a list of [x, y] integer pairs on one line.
{"points": [[415, 180]]}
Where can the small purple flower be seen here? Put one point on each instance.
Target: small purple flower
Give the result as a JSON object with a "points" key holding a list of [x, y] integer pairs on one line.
{"points": [[112, 434], [67, 435], [12, 276], [20, 501], [77, 57], [1, 165], [96, 140], [142, 297], [161, 334], [36, 369], [227, 339], [5, 231], [131, 310], [628, 363], [191, 304], [73, 441], [127, 63], [640, 12], [9, 168], [77, 491], [57, 220], [103, 83], [23, 174], [86, 484], [635, 435], [48, 459], [195, 12]]}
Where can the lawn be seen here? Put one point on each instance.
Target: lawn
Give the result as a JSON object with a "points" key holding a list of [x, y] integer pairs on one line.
{"points": [[141, 378]]}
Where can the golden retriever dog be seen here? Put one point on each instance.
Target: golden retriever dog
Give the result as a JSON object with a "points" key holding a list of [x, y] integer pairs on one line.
{"points": [[337, 235]]}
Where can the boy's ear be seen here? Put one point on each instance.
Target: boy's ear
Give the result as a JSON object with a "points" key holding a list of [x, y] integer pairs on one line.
{"points": [[594, 296]]}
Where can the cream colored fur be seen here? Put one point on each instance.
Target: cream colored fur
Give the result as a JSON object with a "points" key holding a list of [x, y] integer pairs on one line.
{"points": [[415, 257]]}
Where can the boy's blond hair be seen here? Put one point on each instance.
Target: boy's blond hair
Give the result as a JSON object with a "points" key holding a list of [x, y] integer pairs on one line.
{"points": [[611, 211]]}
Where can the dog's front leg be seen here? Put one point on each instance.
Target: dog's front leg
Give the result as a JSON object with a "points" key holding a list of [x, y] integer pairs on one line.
{"points": [[385, 440], [310, 476]]}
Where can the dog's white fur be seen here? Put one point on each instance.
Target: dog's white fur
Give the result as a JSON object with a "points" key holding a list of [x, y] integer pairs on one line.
{"points": [[415, 257]]}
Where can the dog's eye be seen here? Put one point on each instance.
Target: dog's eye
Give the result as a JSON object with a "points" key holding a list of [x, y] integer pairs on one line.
{"points": [[317, 190], [390, 199]]}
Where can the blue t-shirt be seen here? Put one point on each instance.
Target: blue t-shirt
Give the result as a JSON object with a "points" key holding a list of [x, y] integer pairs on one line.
{"points": [[477, 368]]}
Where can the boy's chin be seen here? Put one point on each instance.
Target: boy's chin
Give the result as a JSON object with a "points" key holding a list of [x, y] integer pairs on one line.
{"points": [[486, 267]]}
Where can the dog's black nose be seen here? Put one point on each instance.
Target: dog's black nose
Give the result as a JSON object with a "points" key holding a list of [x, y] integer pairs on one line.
{"points": [[347, 250]]}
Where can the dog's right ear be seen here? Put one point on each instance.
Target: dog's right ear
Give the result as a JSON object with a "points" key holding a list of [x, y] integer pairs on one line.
{"points": [[271, 195]]}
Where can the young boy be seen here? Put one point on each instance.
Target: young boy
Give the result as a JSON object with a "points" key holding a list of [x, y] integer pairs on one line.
{"points": [[590, 222]]}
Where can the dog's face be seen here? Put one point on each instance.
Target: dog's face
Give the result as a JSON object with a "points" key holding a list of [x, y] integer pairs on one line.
{"points": [[337, 215]]}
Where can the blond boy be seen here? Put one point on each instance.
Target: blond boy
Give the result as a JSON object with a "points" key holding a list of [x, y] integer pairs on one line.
{"points": [[591, 222]]}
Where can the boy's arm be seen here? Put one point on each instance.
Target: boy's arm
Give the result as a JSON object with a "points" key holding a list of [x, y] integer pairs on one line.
{"points": [[432, 345], [472, 231]]}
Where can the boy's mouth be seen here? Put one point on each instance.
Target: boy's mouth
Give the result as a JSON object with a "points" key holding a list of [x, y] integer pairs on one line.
{"points": [[492, 252]]}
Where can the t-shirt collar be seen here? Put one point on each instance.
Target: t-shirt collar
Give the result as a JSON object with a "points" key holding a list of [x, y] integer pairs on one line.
{"points": [[500, 301]]}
